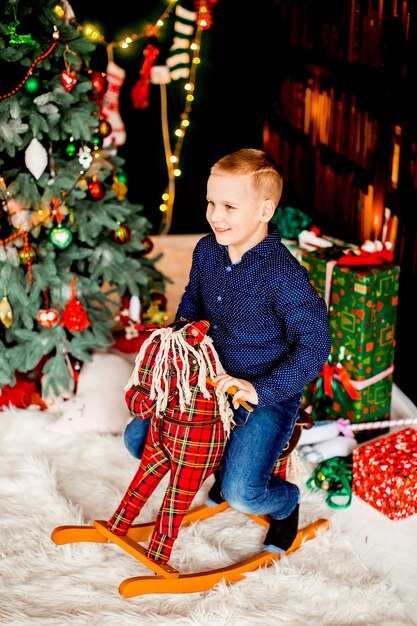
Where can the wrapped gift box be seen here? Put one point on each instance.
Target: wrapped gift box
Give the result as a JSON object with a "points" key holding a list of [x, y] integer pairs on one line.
{"points": [[362, 303], [385, 474]]}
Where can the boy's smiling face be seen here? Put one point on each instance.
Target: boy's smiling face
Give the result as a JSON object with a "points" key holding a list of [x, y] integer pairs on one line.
{"points": [[237, 213]]}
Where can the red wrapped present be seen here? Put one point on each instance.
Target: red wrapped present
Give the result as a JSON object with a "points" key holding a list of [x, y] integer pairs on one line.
{"points": [[385, 474]]}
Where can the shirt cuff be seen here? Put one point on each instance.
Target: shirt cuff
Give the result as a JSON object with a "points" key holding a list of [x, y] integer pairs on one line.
{"points": [[266, 395]]}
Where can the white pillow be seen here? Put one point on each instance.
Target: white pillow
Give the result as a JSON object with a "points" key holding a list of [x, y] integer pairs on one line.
{"points": [[99, 404]]}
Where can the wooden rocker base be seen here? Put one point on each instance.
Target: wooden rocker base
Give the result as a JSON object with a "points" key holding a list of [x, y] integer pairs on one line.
{"points": [[166, 579]]}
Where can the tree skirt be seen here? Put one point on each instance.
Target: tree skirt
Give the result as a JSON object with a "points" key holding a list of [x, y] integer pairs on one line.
{"points": [[48, 480]]}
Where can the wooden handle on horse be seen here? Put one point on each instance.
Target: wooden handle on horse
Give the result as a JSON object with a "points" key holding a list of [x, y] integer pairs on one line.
{"points": [[232, 390]]}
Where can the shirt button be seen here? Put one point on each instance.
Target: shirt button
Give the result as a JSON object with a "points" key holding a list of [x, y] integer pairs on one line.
{"points": [[219, 298], [215, 326], [228, 269]]}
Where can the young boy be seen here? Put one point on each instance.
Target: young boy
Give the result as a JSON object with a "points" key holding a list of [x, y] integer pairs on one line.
{"points": [[269, 327]]}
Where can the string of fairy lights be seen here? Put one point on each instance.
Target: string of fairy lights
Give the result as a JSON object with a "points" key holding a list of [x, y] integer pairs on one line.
{"points": [[172, 154]]}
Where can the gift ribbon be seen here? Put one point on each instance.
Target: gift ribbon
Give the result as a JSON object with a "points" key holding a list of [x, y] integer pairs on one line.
{"points": [[328, 284], [340, 373], [363, 384], [334, 475], [352, 387], [347, 429]]}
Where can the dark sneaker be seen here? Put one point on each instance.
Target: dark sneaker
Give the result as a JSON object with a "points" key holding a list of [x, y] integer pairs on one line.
{"points": [[281, 533], [214, 496]]}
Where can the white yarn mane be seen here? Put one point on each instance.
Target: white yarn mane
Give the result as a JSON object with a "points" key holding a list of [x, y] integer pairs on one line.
{"points": [[173, 341]]}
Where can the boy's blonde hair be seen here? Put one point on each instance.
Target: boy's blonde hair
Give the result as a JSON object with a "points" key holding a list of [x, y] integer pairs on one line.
{"points": [[267, 179]]}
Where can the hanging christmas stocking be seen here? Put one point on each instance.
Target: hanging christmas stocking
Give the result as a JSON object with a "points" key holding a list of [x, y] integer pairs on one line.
{"points": [[110, 109], [178, 59]]}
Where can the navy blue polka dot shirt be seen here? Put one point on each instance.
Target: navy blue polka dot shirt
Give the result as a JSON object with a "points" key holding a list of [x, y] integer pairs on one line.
{"points": [[268, 323]]}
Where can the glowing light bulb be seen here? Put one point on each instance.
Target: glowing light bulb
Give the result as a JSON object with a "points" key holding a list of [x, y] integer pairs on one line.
{"points": [[59, 11], [177, 172], [190, 97], [124, 45], [196, 60], [185, 123], [163, 207], [193, 46], [203, 23], [179, 132], [160, 23], [173, 159], [188, 87], [165, 197]]}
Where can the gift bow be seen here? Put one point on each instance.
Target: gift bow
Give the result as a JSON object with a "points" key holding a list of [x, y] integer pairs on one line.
{"points": [[345, 427], [330, 372], [363, 257]]}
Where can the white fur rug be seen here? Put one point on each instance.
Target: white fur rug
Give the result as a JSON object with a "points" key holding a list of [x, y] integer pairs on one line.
{"points": [[48, 480]]}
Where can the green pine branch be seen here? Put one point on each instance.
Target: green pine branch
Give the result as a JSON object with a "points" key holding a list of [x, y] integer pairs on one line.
{"points": [[103, 266]]}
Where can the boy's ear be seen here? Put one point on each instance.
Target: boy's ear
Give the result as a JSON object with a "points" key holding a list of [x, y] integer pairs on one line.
{"points": [[267, 210]]}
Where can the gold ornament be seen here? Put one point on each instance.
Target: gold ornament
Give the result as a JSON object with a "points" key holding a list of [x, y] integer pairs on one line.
{"points": [[6, 312], [154, 315], [119, 188]]}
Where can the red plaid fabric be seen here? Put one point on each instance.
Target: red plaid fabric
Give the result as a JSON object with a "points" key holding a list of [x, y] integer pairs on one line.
{"points": [[280, 468], [190, 452]]}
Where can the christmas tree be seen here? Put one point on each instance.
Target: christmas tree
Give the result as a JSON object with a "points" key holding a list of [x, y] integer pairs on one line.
{"points": [[70, 241]]}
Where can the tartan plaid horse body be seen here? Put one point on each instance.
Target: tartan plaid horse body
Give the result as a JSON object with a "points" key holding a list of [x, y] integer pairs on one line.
{"points": [[188, 431]]}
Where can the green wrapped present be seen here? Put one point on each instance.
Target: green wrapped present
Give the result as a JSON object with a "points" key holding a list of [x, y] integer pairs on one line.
{"points": [[291, 221], [362, 301]]}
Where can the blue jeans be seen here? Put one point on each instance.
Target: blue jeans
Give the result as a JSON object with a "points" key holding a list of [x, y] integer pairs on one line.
{"points": [[250, 455], [253, 448], [135, 436]]}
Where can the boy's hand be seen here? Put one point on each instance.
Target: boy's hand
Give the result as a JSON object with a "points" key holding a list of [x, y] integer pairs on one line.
{"points": [[245, 389]]}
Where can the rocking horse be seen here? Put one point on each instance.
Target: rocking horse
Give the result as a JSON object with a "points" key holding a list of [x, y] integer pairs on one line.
{"points": [[190, 421]]}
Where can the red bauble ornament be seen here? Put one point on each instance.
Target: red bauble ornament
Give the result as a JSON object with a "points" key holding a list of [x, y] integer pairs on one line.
{"points": [[74, 316], [69, 80], [48, 318], [121, 234], [97, 189], [147, 244], [99, 82]]}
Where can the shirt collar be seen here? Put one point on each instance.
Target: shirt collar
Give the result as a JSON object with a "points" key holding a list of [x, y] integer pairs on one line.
{"points": [[269, 244], [264, 247]]}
